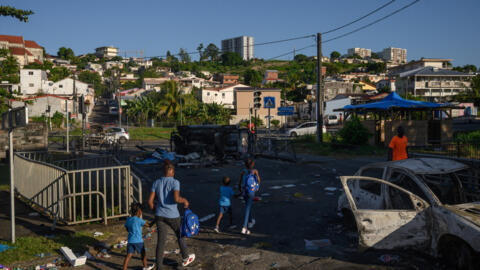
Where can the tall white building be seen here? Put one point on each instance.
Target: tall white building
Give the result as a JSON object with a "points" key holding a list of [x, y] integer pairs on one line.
{"points": [[107, 52], [360, 51], [242, 45], [394, 55]]}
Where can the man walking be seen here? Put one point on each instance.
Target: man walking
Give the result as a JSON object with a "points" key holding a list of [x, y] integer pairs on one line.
{"points": [[397, 149]]}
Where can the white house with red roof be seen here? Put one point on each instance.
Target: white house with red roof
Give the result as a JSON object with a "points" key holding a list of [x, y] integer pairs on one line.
{"points": [[221, 95], [25, 51]]}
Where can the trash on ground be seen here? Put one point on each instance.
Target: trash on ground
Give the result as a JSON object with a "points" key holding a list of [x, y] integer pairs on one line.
{"points": [[33, 214], [176, 251], [250, 257], [289, 186], [71, 258], [215, 170], [265, 194], [298, 195], [4, 247], [331, 189], [316, 244], [148, 161], [88, 255], [122, 244], [97, 234], [387, 258], [190, 156], [205, 218], [276, 187], [314, 182]]}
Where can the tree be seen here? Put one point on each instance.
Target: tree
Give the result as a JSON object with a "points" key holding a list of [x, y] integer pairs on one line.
{"points": [[354, 132], [375, 56], [212, 51], [376, 67], [200, 52], [184, 56], [20, 14], [231, 59], [466, 69], [92, 78], [252, 77], [117, 58], [59, 73], [335, 55], [300, 58], [65, 53], [9, 69]]}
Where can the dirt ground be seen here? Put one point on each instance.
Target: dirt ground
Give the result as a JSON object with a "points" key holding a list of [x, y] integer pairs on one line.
{"points": [[295, 207]]}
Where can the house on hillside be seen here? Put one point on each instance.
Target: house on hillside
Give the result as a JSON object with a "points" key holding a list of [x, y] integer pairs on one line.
{"points": [[220, 95]]}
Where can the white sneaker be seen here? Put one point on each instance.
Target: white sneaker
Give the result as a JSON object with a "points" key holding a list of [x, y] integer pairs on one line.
{"points": [[149, 267], [245, 231], [251, 224], [188, 260], [216, 230]]}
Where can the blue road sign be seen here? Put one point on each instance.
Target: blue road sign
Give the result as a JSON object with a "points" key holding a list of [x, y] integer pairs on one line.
{"points": [[269, 102], [285, 111]]}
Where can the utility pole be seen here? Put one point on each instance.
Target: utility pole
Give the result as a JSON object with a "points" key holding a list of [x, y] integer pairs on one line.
{"points": [[119, 108], [319, 93], [12, 182], [68, 128]]}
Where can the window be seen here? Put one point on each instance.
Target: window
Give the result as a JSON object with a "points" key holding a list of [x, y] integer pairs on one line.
{"points": [[223, 95], [30, 73], [399, 200], [208, 93], [216, 94], [60, 86], [31, 85], [371, 186], [404, 181]]}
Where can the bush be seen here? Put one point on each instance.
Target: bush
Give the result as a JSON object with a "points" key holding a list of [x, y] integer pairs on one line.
{"points": [[57, 119], [354, 132], [470, 137], [275, 123]]}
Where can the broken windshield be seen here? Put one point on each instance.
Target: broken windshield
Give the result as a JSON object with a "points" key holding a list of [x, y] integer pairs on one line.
{"points": [[454, 188]]}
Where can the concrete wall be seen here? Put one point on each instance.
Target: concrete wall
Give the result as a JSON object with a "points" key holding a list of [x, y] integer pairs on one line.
{"points": [[32, 137]]}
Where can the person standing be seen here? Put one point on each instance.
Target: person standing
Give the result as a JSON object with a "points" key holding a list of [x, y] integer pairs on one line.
{"points": [[248, 195], [397, 149], [167, 192]]}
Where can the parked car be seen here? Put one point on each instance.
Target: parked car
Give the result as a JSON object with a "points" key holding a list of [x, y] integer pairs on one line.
{"points": [[117, 134], [304, 129], [427, 204], [332, 119]]}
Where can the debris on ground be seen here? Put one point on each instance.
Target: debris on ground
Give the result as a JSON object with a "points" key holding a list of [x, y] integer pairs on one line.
{"points": [[121, 244], [316, 244], [97, 234], [176, 251], [276, 187], [387, 258], [205, 218], [250, 257], [289, 185], [71, 258], [88, 255], [33, 214], [330, 189]]}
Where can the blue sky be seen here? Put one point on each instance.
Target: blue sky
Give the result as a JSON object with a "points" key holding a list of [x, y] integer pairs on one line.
{"points": [[430, 28]]}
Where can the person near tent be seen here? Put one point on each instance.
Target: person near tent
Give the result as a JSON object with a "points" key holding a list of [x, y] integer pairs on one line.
{"points": [[397, 149]]}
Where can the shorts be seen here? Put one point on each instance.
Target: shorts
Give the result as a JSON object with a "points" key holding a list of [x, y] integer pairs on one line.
{"points": [[225, 209], [135, 247]]}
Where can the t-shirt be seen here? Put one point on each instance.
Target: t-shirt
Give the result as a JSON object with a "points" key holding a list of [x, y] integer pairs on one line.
{"points": [[226, 194], [166, 205], [134, 227], [399, 147]]}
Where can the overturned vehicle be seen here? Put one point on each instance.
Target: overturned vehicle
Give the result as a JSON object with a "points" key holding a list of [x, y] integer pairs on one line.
{"points": [[426, 204], [214, 140]]}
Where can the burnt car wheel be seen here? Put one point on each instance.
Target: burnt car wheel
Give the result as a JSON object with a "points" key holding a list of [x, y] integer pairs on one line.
{"points": [[459, 255]]}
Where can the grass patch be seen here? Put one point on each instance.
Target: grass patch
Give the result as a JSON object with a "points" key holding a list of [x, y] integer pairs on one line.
{"points": [[26, 248], [4, 177], [149, 134]]}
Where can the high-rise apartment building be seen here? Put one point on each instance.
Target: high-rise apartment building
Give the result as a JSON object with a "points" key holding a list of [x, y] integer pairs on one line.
{"points": [[359, 51], [242, 45], [394, 55], [107, 51]]}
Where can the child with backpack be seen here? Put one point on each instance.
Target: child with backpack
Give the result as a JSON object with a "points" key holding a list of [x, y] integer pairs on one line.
{"points": [[134, 226], [226, 193], [249, 184], [167, 192]]}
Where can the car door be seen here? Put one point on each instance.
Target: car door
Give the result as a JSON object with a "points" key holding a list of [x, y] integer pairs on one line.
{"points": [[400, 223]]}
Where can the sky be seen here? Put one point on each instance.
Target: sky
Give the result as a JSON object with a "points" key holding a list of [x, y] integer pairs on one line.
{"points": [[430, 28]]}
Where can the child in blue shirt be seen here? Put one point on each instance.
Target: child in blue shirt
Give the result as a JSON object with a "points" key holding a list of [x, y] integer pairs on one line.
{"points": [[226, 194], [134, 226]]}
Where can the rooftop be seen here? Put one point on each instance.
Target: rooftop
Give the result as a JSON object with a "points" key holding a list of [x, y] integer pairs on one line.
{"points": [[12, 39], [432, 71], [19, 51], [32, 44]]}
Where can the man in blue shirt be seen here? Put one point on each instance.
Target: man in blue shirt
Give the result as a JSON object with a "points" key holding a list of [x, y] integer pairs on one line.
{"points": [[167, 192], [226, 193]]}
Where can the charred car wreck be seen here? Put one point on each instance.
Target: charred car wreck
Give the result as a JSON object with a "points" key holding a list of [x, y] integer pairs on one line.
{"points": [[427, 204]]}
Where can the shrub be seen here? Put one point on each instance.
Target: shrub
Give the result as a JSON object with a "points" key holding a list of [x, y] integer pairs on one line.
{"points": [[354, 132], [275, 123], [471, 137], [57, 119]]}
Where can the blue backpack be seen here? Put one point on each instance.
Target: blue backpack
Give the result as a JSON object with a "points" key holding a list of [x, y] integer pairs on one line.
{"points": [[190, 224], [251, 183]]}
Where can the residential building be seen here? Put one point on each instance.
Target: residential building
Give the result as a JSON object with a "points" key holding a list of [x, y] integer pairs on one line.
{"points": [[364, 53], [270, 76], [65, 88], [220, 95], [153, 83], [432, 83], [243, 101], [128, 78], [32, 81], [112, 64], [242, 45], [40, 105], [226, 78], [334, 88], [25, 51], [423, 62], [394, 55], [106, 52], [10, 87], [95, 67], [386, 84]]}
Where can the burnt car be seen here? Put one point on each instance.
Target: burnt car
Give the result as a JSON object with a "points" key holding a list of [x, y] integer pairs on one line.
{"points": [[426, 204]]}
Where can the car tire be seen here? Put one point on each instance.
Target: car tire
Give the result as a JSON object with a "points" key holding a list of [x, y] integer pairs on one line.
{"points": [[459, 255], [122, 140], [293, 134]]}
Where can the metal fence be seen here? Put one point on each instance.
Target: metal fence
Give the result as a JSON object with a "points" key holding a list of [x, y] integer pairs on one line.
{"points": [[276, 147], [454, 149], [70, 191]]}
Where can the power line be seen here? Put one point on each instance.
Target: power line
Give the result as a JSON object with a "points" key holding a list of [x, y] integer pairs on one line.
{"points": [[372, 23], [359, 19], [296, 50]]}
